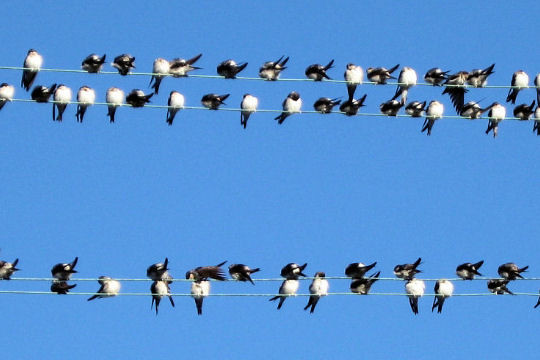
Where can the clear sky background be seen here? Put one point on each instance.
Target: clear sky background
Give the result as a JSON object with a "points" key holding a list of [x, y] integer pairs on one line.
{"points": [[327, 190]]}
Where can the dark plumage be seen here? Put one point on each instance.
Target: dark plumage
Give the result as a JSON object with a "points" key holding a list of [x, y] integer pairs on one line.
{"points": [[362, 286], [93, 63], [293, 270], [350, 107], [317, 72], [380, 75], [202, 273], [213, 101], [242, 272], [137, 98], [358, 270], [325, 105], [407, 271], [467, 271], [124, 63], [229, 68], [42, 94]]}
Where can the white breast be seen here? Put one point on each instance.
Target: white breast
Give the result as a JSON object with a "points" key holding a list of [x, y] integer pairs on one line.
{"points": [[250, 103], [200, 288], [415, 287], [319, 287], [522, 79], [289, 287], [161, 288], [62, 94], [115, 96], [161, 66], [7, 92], [435, 110], [177, 100], [446, 288], [293, 106], [112, 287], [33, 61], [498, 112], [354, 75], [86, 95], [408, 77]]}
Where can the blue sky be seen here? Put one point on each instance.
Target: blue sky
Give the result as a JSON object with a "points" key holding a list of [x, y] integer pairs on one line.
{"points": [[327, 190]]}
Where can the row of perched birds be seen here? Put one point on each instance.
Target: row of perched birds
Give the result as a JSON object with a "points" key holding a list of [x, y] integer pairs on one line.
{"points": [[360, 284], [455, 86]]}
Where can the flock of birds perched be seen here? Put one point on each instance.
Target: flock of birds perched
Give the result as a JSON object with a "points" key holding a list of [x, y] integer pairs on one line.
{"points": [[360, 283], [455, 85]]}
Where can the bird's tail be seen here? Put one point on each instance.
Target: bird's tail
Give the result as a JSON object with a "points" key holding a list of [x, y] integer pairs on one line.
{"points": [[111, 112], [512, 95], [329, 65], [194, 59], [391, 70]]}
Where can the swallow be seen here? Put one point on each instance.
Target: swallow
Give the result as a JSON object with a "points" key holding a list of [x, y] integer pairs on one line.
{"points": [[415, 108], [537, 84], [93, 63], [175, 103], [317, 72], [498, 286], [114, 98], [86, 96], [270, 70], [520, 80], [41, 94], [318, 288], [109, 288], [415, 289], [524, 111], [391, 107], [160, 289], [289, 287], [434, 112], [124, 63], [249, 106], [229, 68], [199, 290], [380, 75], [443, 289], [362, 285], [496, 114], [61, 287], [536, 126], [62, 97], [478, 77], [511, 271], [325, 105], [472, 110], [292, 104], [455, 88], [6, 94], [407, 271], [213, 101], [354, 76], [204, 272], [358, 270], [32, 65], [241, 272], [160, 69], [407, 79], [435, 76], [137, 98], [7, 269], [64, 271], [467, 271], [180, 67], [538, 303], [350, 107], [293, 270], [159, 272]]}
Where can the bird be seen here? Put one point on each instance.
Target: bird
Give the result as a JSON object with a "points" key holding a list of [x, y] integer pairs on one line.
{"points": [[289, 287], [478, 77], [61, 287], [159, 289], [241, 272], [6, 94], [62, 97], [137, 98], [536, 126], [293, 270], [472, 110], [380, 75], [537, 84], [354, 76], [407, 79], [176, 102], [229, 68], [520, 80], [292, 104], [467, 271], [86, 96], [249, 106], [435, 76], [415, 289], [496, 114], [124, 63], [415, 108], [358, 270], [199, 290], [524, 111], [511, 271], [114, 98], [63, 271], [160, 69], [350, 107], [181, 67], [362, 285], [7, 269], [498, 286], [318, 288], [443, 289], [93, 63], [455, 88], [109, 288], [213, 101], [270, 70], [159, 272], [324, 105], [407, 271], [205, 272], [434, 111], [537, 303], [32, 65], [41, 94], [317, 72], [391, 107]]}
